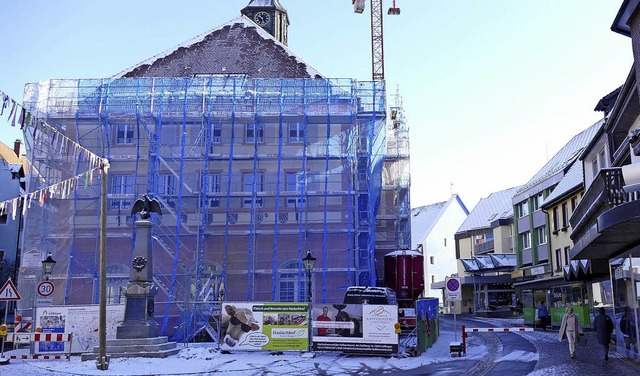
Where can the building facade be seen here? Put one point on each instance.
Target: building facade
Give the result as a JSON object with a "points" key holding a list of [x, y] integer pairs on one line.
{"points": [[485, 250], [433, 228], [253, 161]]}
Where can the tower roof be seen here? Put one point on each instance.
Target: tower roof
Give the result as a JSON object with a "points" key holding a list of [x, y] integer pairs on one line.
{"points": [[265, 4]]}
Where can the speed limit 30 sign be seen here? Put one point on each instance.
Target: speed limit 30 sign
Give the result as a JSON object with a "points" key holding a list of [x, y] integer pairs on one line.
{"points": [[46, 288]]}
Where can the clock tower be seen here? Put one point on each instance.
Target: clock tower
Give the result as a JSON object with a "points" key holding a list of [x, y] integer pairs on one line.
{"points": [[269, 15]]}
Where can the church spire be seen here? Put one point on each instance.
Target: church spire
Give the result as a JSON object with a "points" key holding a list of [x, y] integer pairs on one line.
{"points": [[269, 15]]}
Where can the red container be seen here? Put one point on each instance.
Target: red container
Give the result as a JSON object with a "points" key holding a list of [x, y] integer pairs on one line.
{"points": [[403, 273]]}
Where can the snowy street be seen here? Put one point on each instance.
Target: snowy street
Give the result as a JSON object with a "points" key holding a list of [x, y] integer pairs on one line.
{"points": [[528, 353]]}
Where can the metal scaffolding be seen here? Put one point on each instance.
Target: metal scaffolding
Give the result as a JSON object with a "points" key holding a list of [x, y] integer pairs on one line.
{"points": [[250, 173]]}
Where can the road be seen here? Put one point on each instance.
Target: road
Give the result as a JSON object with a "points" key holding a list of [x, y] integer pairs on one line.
{"points": [[526, 353]]}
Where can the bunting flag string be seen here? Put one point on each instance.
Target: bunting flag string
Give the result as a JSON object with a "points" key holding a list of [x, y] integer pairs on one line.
{"points": [[43, 133], [60, 190]]}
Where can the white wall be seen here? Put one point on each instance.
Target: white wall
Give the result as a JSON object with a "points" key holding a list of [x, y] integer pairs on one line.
{"points": [[445, 254]]}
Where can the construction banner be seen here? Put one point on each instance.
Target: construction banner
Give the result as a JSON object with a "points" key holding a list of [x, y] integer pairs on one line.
{"points": [[355, 328], [264, 326]]}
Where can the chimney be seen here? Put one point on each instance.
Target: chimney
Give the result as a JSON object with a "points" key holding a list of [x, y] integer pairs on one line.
{"points": [[16, 147]]}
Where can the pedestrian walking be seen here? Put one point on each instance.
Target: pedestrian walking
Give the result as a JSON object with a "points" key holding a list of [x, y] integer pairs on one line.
{"points": [[571, 328], [628, 328], [543, 316], [604, 327]]}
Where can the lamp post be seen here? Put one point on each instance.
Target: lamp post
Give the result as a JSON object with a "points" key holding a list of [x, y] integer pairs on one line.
{"points": [[47, 266], [309, 262]]}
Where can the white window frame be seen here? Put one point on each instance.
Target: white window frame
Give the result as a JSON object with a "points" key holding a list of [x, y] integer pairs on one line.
{"points": [[120, 185], [213, 187], [525, 238], [295, 186], [542, 235], [168, 185], [124, 134], [247, 184], [296, 132], [254, 133]]}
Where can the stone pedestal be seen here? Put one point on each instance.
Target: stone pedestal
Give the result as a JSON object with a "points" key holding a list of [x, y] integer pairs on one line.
{"points": [[139, 310]]}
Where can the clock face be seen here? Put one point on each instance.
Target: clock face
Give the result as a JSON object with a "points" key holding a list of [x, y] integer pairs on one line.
{"points": [[262, 18]]}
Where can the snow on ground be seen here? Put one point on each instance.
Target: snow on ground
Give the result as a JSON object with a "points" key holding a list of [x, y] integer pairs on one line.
{"points": [[203, 358]]}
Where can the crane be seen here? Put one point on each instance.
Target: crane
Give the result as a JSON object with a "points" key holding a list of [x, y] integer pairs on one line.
{"points": [[377, 44]]}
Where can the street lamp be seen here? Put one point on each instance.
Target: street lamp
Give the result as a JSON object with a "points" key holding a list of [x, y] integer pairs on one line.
{"points": [[47, 266], [309, 262]]}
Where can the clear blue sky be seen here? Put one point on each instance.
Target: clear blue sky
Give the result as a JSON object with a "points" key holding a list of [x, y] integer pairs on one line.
{"points": [[492, 88]]}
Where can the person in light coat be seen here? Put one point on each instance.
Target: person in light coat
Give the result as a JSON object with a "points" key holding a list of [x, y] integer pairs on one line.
{"points": [[571, 328]]}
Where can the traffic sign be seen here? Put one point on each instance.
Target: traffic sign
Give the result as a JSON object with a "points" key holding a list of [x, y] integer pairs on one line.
{"points": [[46, 288], [453, 289], [9, 292]]}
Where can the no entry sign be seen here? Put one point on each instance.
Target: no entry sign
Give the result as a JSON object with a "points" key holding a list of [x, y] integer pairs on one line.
{"points": [[453, 289]]}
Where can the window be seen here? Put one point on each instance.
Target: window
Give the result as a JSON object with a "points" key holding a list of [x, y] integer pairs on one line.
{"points": [[445, 242], [566, 255], [522, 209], [432, 260], [559, 263], [216, 133], [433, 278], [295, 183], [121, 185], [255, 132], [556, 220], [296, 132], [124, 134], [574, 203], [541, 233], [117, 280], [537, 201], [525, 239], [248, 181], [565, 216], [598, 162], [290, 287], [167, 185], [213, 187]]}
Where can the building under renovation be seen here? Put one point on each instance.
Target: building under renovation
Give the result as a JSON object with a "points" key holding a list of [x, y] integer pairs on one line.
{"points": [[255, 159]]}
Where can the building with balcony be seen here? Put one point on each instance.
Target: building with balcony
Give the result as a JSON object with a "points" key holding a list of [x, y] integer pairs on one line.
{"points": [[484, 248], [607, 219], [534, 226]]}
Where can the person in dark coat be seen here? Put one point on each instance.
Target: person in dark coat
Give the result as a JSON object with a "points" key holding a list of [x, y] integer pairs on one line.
{"points": [[604, 327]]}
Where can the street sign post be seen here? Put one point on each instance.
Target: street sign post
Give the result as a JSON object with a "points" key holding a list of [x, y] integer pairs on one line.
{"points": [[453, 291], [8, 292]]}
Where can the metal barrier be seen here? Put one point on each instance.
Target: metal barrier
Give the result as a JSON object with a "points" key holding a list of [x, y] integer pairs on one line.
{"points": [[486, 330], [40, 337]]}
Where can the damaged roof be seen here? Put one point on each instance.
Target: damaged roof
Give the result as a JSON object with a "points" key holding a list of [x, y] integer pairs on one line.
{"points": [[239, 47]]}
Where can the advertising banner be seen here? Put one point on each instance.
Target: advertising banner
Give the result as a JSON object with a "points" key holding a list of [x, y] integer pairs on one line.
{"points": [[82, 321], [264, 326], [428, 329], [355, 328]]}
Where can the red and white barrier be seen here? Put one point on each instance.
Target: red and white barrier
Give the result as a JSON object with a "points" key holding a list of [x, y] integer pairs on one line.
{"points": [[466, 331], [489, 330], [40, 337]]}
